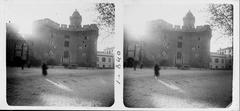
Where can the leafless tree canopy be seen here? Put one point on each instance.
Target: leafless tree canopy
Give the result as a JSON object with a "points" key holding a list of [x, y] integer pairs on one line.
{"points": [[106, 18], [222, 17]]}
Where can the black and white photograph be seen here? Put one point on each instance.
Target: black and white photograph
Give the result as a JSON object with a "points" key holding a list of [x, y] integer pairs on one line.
{"points": [[143, 55], [60, 53], [178, 55]]}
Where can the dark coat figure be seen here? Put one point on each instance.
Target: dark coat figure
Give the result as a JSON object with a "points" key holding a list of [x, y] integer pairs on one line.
{"points": [[22, 64], [28, 64], [156, 70], [141, 66], [44, 69], [134, 65]]}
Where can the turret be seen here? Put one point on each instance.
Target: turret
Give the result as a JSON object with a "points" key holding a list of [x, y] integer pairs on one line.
{"points": [[76, 19], [189, 21]]}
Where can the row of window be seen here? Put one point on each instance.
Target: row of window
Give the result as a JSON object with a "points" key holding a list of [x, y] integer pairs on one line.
{"points": [[181, 38], [179, 45], [104, 59], [216, 60], [216, 67], [66, 44], [68, 37]]}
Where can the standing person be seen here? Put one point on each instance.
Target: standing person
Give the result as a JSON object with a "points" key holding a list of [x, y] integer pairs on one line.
{"points": [[44, 69], [134, 65], [156, 71], [141, 66], [22, 64], [28, 64]]}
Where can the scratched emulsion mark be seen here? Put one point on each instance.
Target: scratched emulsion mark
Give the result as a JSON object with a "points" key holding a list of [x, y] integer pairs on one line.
{"points": [[59, 85], [171, 86]]}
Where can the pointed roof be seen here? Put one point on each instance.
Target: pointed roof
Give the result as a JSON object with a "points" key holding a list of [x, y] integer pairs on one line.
{"points": [[189, 15], [76, 13]]}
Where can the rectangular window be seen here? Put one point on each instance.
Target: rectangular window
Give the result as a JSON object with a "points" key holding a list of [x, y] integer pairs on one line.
{"points": [[66, 54], [216, 60], [66, 44], [179, 44], [222, 60], [109, 59], [97, 58], [179, 55], [103, 59]]}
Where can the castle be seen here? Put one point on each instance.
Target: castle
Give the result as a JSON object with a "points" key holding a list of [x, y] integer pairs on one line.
{"points": [[61, 44], [170, 46]]}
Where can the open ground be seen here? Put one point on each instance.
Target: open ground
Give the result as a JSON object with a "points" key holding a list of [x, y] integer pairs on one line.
{"points": [[61, 87], [177, 88]]}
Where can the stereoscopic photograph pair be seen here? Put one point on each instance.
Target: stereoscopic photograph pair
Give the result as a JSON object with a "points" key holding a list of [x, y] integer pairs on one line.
{"points": [[175, 54]]}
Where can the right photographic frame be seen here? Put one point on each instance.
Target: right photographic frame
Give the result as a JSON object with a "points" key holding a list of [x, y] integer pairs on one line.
{"points": [[178, 55]]}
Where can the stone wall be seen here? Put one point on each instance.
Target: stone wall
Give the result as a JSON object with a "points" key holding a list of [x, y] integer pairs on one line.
{"points": [[50, 40]]}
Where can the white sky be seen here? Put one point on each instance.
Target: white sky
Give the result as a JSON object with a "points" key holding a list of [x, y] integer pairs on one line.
{"points": [[24, 12], [138, 13]]}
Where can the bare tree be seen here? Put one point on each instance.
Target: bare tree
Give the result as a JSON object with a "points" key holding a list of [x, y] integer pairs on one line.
{"points": [[222, 17], [106, 17]]}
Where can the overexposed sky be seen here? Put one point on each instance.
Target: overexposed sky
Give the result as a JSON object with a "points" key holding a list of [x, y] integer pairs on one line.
{"points": [[136, 14], [25, 12]]}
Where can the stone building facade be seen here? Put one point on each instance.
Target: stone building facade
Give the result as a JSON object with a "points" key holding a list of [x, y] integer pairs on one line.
{"points": [[105, 60], [61, 44], [17, 49], [228, 53], [170, 45], [218, 61]]}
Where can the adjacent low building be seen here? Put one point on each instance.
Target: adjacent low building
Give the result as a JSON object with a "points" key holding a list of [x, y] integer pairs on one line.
{"points": [[222, 59], [105, 59], [217, 61]]}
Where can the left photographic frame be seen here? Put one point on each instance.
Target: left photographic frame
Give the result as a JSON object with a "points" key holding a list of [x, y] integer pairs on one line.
{"points": [[60, 53]]}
